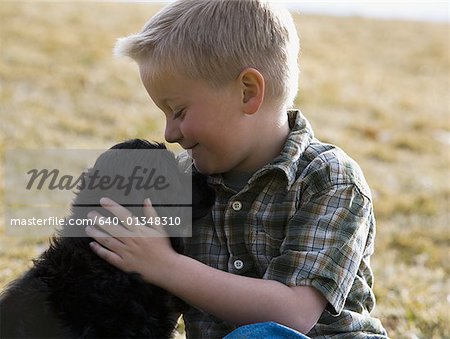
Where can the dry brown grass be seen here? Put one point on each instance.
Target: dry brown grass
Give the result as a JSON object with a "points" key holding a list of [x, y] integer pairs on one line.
{"points": [[379, 89]]}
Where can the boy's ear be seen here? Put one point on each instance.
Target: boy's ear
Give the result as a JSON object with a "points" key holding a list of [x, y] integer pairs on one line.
{"points": [[253, 86]]}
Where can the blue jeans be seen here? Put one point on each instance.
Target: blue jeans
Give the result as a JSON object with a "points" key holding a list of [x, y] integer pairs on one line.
{"points": [[268, 330]]}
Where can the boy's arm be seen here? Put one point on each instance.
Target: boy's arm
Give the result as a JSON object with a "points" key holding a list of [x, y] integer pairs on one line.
{"points": [[234, 298], [237, 299], [242, 300]]}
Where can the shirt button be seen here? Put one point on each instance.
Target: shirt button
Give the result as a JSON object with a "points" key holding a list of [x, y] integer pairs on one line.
{"points": [[238, 264], [236, 205]]}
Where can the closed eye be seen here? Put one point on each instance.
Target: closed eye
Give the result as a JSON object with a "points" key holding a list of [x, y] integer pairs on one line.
{"points": [[179, 114]]}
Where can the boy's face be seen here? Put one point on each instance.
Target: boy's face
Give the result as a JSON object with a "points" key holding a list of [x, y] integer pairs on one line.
{"points": [[205, 120]]}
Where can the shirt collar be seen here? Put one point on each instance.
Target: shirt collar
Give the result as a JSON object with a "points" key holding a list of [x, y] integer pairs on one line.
{"points": [[287, 161]]}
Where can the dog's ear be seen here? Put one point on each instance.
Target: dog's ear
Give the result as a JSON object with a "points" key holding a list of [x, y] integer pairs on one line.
{"points": [[203, 196]]}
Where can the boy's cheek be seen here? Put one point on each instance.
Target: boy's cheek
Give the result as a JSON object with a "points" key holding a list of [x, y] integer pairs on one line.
{"points": [[191, 129]]}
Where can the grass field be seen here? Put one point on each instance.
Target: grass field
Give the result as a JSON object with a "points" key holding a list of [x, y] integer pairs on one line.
{"points": [[378, 89]]}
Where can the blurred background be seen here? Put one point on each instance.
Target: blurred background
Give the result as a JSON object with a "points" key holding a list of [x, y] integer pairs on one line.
{"points": [[374, 80]]}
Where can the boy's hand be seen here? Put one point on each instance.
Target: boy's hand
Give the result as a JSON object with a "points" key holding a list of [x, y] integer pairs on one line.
{"points": [[132, 248]]}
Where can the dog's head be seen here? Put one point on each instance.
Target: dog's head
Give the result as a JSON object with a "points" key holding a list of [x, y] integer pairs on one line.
{"points": [[137, 169]]}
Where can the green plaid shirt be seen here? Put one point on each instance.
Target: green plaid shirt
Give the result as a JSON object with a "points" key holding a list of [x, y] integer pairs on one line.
{"points": [[304, 219]]}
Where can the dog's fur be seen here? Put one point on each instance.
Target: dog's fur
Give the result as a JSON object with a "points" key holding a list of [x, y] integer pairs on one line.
{"points": [[71, 293]]}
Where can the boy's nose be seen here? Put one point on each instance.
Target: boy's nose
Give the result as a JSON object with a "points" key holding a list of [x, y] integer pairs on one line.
{"points": [[172, 133]]}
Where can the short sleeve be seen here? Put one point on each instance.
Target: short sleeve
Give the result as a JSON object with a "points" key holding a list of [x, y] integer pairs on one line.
{"points": [[325, 242]]}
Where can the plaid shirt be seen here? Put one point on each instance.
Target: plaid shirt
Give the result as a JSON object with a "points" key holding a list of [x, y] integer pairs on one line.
{"points": [[304, 219]]}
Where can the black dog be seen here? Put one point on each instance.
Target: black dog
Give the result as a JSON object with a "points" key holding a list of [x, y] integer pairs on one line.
{"points": [[71, 293]]}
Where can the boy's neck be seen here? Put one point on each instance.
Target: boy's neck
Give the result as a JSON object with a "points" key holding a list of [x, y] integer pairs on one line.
{"points": [[273, 136], [269, 137]]}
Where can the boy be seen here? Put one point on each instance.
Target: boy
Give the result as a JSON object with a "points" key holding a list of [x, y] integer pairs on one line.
{"points": [[289, 238]]}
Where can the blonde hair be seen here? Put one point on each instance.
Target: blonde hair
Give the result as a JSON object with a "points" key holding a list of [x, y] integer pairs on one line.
{"points": [[215, 40]]}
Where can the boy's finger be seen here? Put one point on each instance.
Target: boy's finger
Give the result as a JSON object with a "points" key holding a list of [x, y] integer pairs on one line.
{"points": [[107, 255], [155, 228], [113, 244], [107, 226], [149, 210], [118, 210], [153, 232], [123, 214]]}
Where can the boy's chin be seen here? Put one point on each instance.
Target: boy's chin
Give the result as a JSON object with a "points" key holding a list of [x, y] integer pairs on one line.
{"points": [[205, 168]]}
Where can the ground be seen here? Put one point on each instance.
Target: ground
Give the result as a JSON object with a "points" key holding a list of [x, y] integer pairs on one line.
{"points": [[379, 89]]}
